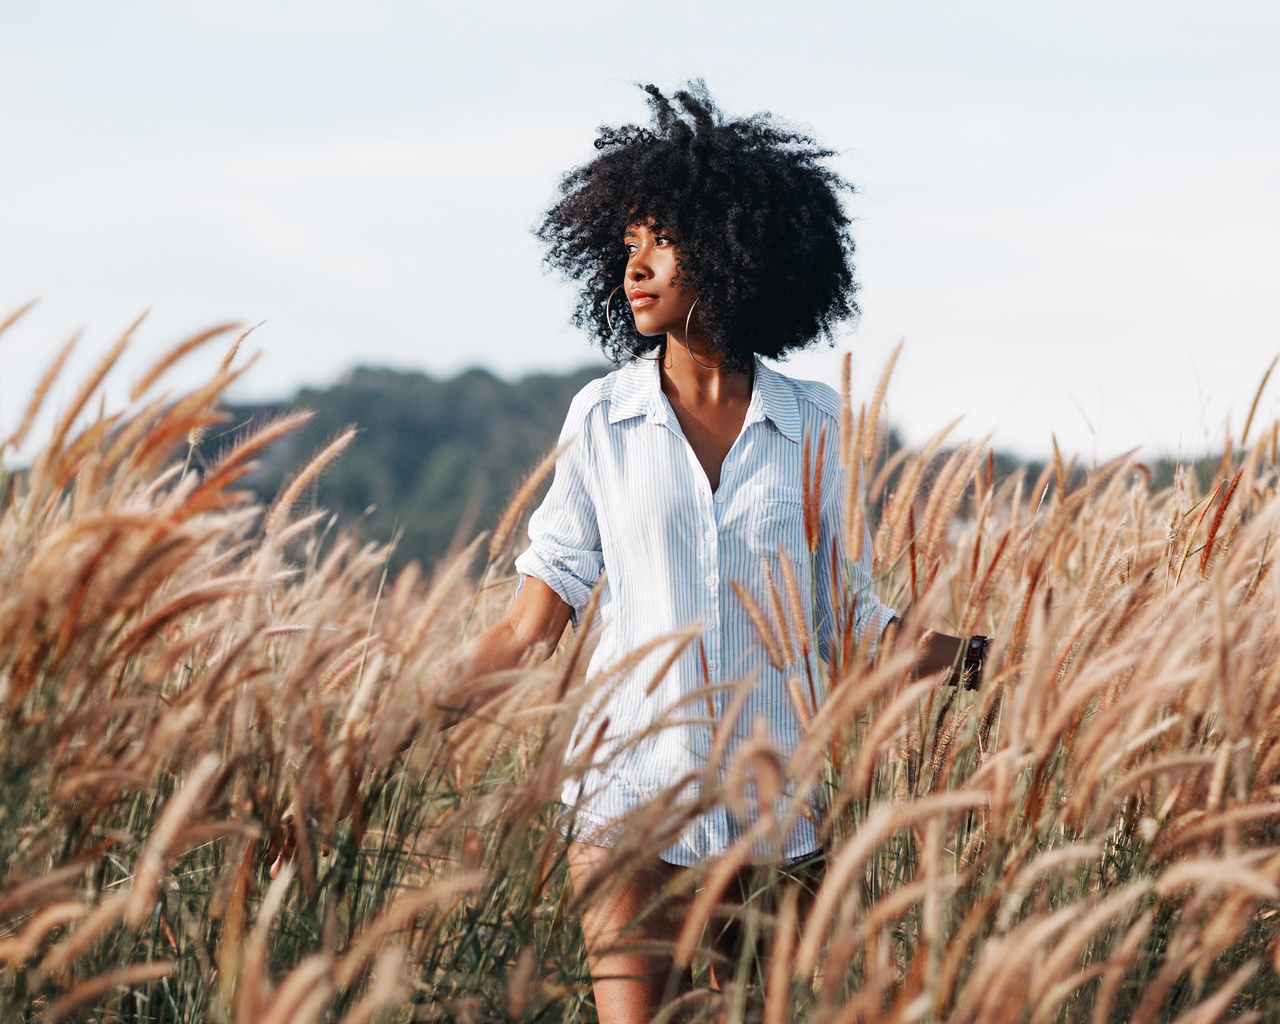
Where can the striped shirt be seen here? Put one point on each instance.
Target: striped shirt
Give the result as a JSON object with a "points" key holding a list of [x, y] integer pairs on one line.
{"points": [[631, 503]]}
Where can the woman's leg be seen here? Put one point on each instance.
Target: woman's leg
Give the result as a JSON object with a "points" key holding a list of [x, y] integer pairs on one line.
{"points": [[630, 971], [760, 889]]}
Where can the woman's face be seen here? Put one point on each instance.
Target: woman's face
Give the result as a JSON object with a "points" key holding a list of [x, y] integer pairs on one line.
{"points": [[658, 302]]}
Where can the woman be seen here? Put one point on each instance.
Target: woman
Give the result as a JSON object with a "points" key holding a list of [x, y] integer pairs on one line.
{"points": [[701, 244]]}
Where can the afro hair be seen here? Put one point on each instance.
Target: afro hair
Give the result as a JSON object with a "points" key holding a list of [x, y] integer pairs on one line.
{"points": [[759, 226]]}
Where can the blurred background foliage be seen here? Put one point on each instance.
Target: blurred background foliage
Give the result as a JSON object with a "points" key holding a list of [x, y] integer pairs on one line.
{"points": [[434, 461]]}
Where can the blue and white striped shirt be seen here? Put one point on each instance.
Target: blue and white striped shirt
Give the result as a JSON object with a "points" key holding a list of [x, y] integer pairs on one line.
{"points": [[630, 502]]}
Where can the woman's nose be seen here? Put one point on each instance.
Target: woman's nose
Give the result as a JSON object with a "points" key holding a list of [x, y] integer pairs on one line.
{"points": [[638, 266]]}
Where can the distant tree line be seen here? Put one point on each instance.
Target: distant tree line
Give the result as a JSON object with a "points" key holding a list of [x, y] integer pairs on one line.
{"points": [[435, 461]]}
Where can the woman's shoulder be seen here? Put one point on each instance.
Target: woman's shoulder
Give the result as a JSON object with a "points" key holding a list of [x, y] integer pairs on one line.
{"points": [[623, 390], [815, 400]]}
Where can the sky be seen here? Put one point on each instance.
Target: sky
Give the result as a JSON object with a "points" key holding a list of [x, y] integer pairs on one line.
{"points": [[1067, 212]]}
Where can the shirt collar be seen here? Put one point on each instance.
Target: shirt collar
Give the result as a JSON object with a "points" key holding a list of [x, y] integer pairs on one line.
{"points": [[638, 392], [773, 398]]}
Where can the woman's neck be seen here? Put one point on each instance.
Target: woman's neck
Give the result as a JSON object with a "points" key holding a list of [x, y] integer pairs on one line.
{"points": [[697, 372]]}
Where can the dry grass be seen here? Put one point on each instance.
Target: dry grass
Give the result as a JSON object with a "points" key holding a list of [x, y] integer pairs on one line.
{"points": [[1091, 835]]}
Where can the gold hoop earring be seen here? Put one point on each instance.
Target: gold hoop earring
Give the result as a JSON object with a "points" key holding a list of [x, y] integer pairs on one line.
{"points": [[612, 330], [687, 320]]}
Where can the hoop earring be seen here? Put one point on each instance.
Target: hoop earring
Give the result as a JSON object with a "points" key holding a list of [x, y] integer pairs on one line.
{"points": [[705, 366], [612, 330]]}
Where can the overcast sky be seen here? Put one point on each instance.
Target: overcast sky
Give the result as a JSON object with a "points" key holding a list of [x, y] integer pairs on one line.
{"points": [[1069, 211]]}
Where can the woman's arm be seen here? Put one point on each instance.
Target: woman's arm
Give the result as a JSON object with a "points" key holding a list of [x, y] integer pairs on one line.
{"points": [[938, 652], [531, 628]]}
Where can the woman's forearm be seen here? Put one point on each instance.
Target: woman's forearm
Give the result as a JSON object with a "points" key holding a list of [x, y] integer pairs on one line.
{"points": [[938, 652], [528, 632]]}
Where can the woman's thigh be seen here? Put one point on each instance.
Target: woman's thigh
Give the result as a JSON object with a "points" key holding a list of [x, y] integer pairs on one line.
{"points": [[758, 891], [630, 921]]}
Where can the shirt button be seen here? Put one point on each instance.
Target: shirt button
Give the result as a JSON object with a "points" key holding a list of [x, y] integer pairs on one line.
{"points": [[711, 580], [711, 535], [719, 499], [711, 665]]}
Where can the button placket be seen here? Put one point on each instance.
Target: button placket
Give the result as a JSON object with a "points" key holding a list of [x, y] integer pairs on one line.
{"points": [[712, 584]]}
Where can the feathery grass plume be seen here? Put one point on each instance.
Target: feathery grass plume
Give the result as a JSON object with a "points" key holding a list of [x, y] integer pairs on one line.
{"points": [[442, 588], [22, 947], [96, 922], [783, 632], [1227, 464], [189, 414], [881, 823], [1207, 502], [386, 991], [93, 988], [253, 987], [87, 388], [16, 315], [1206, 552], [811, 485], [399, 915], [176, 354], [871, 438], [520, 983], [799, 620], [713, 887], [771, 643], [234, 350], [946, 495], [778, 990], [908, 487], [151, 865], [41, 393], [304, 477], [524, 494], [854, 510], [913, 533], [885, 474], [238, 461], [1059, 474]]}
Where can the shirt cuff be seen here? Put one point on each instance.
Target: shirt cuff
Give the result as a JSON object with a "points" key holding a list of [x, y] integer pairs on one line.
{"points": [[557, 573]]}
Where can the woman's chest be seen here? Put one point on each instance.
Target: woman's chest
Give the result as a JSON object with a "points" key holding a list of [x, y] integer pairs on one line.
{"points": [[658, 511]]}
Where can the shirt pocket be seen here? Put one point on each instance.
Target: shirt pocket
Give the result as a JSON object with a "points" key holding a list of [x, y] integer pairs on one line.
{"points": [[777, 532], [778, 522]]}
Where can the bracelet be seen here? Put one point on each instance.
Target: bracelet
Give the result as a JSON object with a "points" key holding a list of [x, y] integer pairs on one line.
{"points": [[969, 671]]}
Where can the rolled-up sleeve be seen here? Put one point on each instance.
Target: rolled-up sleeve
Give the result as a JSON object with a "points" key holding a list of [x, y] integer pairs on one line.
{"points": [[564, 535], [856, 586]]}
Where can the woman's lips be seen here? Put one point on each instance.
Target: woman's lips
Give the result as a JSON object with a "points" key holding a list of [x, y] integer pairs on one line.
{"points": [[642, 300]]}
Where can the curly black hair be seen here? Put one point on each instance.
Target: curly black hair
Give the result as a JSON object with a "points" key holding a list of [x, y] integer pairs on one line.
{"points": [[760, 229]]}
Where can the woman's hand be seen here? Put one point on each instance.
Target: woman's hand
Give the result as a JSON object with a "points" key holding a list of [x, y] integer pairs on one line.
{"points": [[937, 652], [288, 844], [532, 625], [289, 825]]}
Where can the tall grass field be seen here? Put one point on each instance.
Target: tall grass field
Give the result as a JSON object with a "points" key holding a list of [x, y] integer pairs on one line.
{"points": [[187, 678]]}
